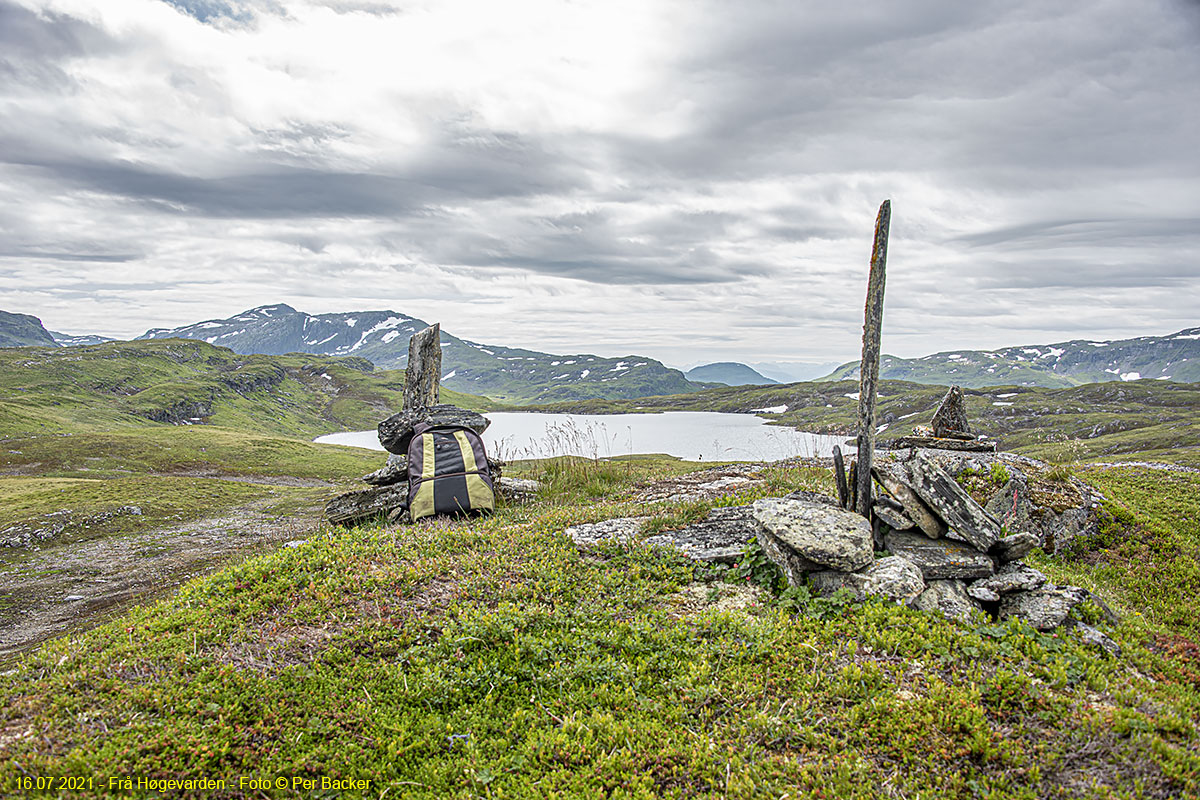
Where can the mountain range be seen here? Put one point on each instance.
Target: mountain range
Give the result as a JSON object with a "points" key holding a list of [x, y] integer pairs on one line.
{"points": [[517, 375], [507, 374], [1175, 357]]}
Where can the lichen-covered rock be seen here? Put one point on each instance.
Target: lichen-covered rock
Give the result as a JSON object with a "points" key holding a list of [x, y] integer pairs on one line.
{"points": [[1014, 547], [1089, 635], [949, 597], [824, 535], [1045, 608], [621, 530], [939, 559], [1014, 577], [895, 578], [720, 537]]}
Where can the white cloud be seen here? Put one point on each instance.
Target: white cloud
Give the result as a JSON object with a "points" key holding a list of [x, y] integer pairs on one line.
{"points": [[700, 179]]}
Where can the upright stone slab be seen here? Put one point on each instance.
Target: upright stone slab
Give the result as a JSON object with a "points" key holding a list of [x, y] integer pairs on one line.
{"points": [[868, 372], [817, 533], [423, 374], [894, 478], [951, 416], [951, 502]]}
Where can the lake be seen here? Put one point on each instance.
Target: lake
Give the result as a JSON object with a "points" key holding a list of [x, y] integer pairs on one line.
{"points": [[691, 435]]}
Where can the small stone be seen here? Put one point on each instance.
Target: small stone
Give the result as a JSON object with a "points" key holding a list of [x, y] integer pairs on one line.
{"points": [[951, 416], [1014, 547], [892, 518], [950, 597], [294, 543], [819, 533], [895, 578], [1089, 635], [73, 597], [939, 559], [518, 490], [982, 594], [1013, 577]]}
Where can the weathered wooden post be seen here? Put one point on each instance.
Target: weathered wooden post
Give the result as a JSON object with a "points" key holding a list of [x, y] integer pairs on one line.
{"points": [[868, 379], [423, 375]]}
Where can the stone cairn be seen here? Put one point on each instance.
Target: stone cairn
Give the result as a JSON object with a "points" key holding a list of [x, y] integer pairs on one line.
{"points": [[388, 495], [902, 529], [949, 429]]}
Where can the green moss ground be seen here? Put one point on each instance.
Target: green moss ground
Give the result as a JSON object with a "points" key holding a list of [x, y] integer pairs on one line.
{"points": [[489, 658]]}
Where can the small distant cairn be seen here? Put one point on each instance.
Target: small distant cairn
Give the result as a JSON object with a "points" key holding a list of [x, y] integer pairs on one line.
{"points": [[950, 429], [388, 495]]}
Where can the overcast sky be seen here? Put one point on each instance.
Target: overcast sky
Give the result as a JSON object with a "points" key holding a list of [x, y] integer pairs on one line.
{"points": [[693, 181]]}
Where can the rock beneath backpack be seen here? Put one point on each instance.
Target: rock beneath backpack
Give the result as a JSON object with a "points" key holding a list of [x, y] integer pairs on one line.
{"points": [[818, 533], [355, 507], [1091, 636], [396, 431], [949, 597], [394, 471], [1014, 547], [939, 559], [951, 416], [895, 578], [1045, 608], [720, 537], [622, 530], [517, 490], [1014, 577]]}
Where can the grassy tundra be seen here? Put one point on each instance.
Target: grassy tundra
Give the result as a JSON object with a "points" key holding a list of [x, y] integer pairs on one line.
{"points": [[491, 658]]}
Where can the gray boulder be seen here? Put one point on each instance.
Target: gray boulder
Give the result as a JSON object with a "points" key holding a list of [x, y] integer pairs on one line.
{"points": [[824, 535], [396, 431], [1014, 577], [948, 597], [982, 594], [1045, 608], [939, 559]]}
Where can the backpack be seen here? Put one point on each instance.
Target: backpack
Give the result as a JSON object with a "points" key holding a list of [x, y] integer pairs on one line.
{"points": [[447, 473]]}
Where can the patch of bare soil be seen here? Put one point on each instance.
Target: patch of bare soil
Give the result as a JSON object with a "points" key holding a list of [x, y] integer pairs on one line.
{"points": [[75, 585]]}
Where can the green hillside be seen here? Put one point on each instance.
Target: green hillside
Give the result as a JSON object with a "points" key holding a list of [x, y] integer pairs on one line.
{"points": [[22, 330]]}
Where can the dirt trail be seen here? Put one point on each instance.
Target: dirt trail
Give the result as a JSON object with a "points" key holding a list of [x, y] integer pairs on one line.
{"points": [[76, 585]]}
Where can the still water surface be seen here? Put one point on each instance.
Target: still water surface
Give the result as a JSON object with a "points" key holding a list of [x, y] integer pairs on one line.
{"points": [[692, 435]]}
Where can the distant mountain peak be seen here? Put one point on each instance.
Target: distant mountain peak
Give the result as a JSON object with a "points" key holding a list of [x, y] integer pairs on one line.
{"points": [[730, 373]]}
